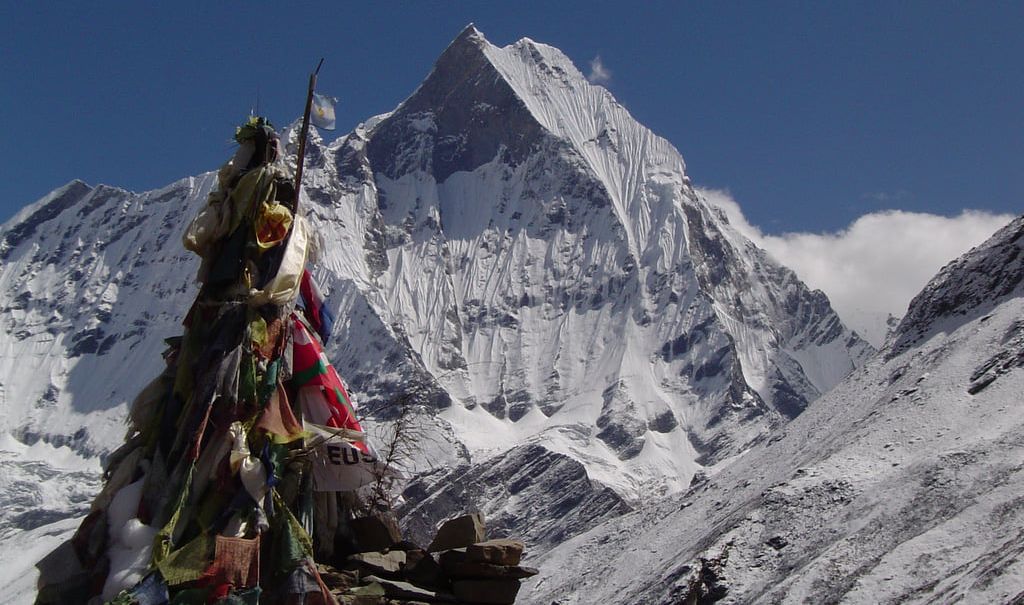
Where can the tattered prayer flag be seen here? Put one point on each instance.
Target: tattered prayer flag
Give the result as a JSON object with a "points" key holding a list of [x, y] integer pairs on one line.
{"points": [[342, 461], [322, 112], [319, 316], [188, 563], [310, 368], [277, 418], [151, 591], [238, 560]]}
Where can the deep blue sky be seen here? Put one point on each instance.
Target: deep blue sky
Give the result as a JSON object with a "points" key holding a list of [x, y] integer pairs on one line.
{"points": [[810, 113]]}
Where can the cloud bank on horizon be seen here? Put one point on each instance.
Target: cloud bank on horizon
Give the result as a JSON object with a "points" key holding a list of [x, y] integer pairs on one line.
{"points": [[872, 268]]}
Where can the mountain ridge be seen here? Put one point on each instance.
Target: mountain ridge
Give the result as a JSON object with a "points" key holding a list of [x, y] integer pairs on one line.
{"points": [[900, 485]]}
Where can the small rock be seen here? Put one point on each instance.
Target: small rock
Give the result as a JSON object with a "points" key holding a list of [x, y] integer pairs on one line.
{"points": [[373, 589], [459, 532], [336, 579], [351, 599], [405, 545], [777, 542]]}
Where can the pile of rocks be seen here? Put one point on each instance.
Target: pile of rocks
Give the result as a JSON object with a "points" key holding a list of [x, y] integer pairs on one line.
{"points": [[460, 566]]}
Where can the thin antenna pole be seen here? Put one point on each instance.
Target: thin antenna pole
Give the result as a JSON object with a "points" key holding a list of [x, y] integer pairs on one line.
{"points": [[302, 135]]}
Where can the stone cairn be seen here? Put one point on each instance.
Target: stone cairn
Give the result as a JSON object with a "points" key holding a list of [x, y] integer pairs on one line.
{"points": [[459, 566]]}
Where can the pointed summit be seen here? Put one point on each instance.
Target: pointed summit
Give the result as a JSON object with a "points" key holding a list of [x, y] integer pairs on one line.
{"points": [[465, 112], [469, 43], [469, 34]]}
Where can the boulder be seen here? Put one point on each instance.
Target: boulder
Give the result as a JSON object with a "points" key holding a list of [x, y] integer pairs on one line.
{"points": [[459, 532], [422, 569], [376, 532], [450, 558]]}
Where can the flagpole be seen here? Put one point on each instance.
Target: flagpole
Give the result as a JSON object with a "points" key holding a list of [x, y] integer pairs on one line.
{"points": [[305, 132]]}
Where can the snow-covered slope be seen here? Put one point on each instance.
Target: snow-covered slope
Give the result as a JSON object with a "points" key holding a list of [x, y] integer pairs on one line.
{"points": [[562, 281], [903, 484], [93, 280], [510, 253]]}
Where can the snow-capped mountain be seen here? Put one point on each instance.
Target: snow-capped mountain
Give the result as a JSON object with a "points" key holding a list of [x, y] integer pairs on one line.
{"points": [[901, 485], [560, 281], [509, 252]]}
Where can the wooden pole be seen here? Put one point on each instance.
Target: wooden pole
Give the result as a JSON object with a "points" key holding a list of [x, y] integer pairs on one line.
{"points": [[305, 131]]}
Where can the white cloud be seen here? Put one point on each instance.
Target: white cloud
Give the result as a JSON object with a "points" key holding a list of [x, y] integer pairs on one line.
{"points": [[599, 74], [873, 267]]}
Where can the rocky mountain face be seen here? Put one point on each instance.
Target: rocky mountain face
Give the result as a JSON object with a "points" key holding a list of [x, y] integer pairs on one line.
{"points": [[560, 281], [514, 261], [901, 485]]}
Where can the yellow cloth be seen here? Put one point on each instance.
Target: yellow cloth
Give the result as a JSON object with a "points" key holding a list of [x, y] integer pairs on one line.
{"points": [[252, 196], [284, 287], [188, 563], [272, 224]]}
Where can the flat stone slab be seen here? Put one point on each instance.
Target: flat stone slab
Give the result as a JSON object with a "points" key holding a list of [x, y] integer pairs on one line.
{"points": [[404, 590], [379, 562], [484, 571], [502, 551]]}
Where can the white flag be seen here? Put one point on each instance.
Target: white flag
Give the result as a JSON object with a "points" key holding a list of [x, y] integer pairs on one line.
{"points": [[342, 459], [322, 111]]}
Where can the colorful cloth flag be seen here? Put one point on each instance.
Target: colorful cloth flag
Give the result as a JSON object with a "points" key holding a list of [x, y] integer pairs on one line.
{"points": [[319, 316], [237, 560], [310, 368], [322, 111], [151, 591], [342, 460]]}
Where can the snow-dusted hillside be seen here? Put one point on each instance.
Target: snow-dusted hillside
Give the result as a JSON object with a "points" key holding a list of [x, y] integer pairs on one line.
{"points": [[902, 485], [509, 252]]}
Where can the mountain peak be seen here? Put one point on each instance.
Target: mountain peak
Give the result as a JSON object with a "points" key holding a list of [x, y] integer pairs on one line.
{"points": [[469, 35], [480, 98], [465, 112], [966, 288], [468, 46], [503, 148]]}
